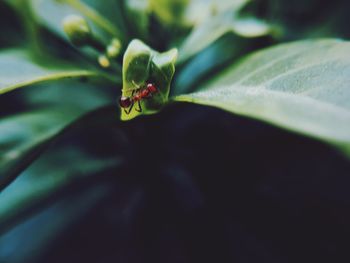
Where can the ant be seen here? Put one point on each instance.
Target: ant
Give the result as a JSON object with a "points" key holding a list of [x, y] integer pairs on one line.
{"points": [[138, 94]]}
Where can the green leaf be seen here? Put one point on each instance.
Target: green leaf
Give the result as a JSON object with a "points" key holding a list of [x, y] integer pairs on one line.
{"points": [[301, 86], [169, 11], [18, 70], [43, 181], [210, 61], [52, 12], [24, 136], [44, 220], [143, 65], [46, 176], [141, 10], [215, 26], [198, 11]]}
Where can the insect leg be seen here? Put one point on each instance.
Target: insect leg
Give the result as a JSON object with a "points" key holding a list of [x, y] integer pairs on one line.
{"points": [[139, 109], [127, 111]]}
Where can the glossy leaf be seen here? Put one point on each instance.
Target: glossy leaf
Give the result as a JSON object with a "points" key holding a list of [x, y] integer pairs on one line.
{"points": [[302, 86], [19, 70], [141, 66]]}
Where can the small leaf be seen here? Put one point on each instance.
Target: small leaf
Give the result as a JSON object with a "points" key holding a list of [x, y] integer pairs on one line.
{"points": [[18, 70], [141, 66], [302, 86]]}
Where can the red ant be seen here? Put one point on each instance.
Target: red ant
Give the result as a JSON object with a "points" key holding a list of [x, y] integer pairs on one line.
{"points": [[138, 94]]}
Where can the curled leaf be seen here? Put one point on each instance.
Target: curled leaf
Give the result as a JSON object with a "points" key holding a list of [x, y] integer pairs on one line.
{"points": [[142, 66]]}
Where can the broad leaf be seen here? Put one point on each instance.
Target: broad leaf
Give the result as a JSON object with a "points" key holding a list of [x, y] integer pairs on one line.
{"points": [[18, 70], [45, 178], [24, 136], [47, 175], [302, 86], [47, 224]]}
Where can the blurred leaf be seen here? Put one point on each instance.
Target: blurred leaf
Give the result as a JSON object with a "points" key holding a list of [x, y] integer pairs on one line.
{"points": [[24, 136], [250, 27], [302, 86], [305, 19], [51, 13], [48, 224], [111, 10], [141, 10], [214, 27], [10, 27], [212, 60], [199, 11], [169, 11], [67, 162], [141, 66], [55, 171], [19, 70]]}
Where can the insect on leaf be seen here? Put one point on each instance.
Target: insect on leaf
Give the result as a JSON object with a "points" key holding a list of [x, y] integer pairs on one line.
{"points": [[142, 66]]}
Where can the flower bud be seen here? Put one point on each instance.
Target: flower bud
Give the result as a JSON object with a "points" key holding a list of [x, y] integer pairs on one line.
{"points": [[77, 30], [104, 61], [113, 50]]}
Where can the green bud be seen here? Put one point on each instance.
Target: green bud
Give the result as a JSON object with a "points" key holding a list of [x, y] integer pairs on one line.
{"points": [[104, 61], [113, 50], [77, 30]]}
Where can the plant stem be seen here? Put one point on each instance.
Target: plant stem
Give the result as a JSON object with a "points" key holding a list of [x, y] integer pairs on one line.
{"points": [[95, 17]]}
